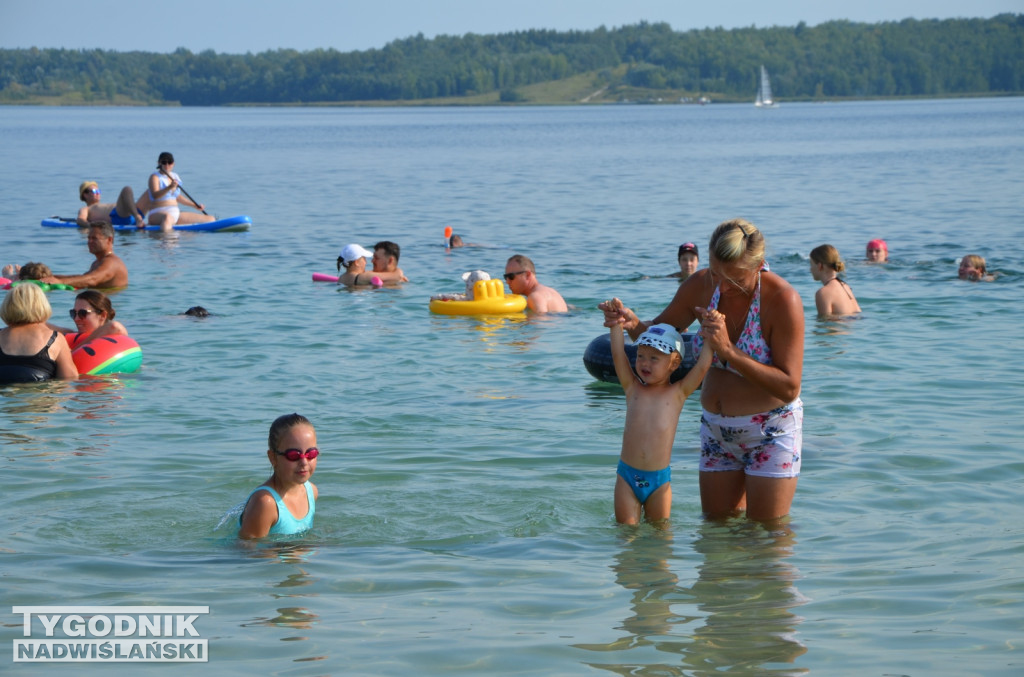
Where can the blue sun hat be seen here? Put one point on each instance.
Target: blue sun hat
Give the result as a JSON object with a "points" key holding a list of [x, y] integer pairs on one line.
{"points": [[663, 337]]}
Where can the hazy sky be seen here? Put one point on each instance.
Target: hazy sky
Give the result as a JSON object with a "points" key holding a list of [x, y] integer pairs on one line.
{"points": [[239, 26]]}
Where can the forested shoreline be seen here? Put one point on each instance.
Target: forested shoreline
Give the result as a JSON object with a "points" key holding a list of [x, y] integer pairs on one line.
{"points": [[834, 60]]}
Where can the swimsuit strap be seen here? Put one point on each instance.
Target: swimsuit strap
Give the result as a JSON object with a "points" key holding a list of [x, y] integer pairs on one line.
{"points": [[842, 284]]}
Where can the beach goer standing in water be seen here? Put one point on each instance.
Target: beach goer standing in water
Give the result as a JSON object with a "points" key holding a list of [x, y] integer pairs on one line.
{"points": [[107, 271], [751, 427], [653, 404], [688, 258], [521, 276], [286, 502], [30, 350], [832, 299]]}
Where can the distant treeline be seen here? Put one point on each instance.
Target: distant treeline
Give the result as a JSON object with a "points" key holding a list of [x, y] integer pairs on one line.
{"points": [[834, 59]]}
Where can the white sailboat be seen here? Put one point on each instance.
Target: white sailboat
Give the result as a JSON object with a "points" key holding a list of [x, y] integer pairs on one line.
{"points": [[764, 92]]}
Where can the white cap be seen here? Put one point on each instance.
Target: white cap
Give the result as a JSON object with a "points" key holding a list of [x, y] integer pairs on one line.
{"points": [[663, 337], [352, 252], [474, 275]]}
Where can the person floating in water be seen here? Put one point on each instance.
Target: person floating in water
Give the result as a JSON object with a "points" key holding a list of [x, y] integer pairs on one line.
{"points": [[832, 299], [877, 252], [972, 268], [653, 405], [286, 502], [688, 258]]}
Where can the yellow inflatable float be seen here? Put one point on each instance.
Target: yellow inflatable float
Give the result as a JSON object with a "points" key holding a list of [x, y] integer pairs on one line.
{"points": [[489, 298]]}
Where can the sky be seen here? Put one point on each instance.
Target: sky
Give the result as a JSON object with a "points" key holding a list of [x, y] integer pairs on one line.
{"points": [[240, 26]]}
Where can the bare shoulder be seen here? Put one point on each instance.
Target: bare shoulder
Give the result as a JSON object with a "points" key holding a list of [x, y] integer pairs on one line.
{"points": [[776, 291]]}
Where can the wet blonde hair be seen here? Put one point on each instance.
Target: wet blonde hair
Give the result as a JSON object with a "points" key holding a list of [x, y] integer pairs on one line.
{"points": [[738, 241], [25, 304], [827, 255], [974, 261]]}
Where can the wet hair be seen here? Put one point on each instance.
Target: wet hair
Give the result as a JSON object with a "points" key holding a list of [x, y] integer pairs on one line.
{"points": [[523, 261], [197, 311], [974, 261], [34, 271], [390, 248], [283, 424], [105, 229], [738, 241], [25, 304], [455, 241], [828, 256], [99, 301], [165, 158]]}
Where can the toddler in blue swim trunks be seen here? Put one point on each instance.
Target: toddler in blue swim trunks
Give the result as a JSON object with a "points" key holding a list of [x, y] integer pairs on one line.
{"points": [[653, 404], [286, 502]]}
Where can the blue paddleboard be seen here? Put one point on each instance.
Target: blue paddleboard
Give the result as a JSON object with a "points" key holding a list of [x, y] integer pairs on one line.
{"points": [[228, 225]]}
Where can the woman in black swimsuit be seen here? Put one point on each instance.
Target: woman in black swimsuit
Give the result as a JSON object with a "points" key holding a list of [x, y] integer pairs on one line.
{"points": [[29, 349]]}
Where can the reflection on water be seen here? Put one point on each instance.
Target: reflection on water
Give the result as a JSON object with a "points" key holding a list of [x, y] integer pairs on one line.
{"points": [[35, 410], [734, 619], [26, 399], [293, 556]]}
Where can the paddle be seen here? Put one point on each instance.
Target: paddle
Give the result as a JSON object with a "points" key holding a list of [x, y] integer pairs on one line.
{"points": [[182, 189]]}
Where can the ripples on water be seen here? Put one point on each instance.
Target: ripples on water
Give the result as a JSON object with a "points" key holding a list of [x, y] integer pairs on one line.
{"points": [[465, 521]]}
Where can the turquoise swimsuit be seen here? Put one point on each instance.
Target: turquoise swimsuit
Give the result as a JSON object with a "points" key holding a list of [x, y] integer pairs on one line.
{"points": [[286, 522]]}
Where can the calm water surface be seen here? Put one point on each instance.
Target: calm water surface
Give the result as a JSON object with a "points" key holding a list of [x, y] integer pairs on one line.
{"points": [[465, 523]]}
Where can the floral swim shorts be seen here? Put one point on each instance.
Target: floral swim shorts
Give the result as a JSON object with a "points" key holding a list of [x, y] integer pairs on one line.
{"points": [[764, 445]]}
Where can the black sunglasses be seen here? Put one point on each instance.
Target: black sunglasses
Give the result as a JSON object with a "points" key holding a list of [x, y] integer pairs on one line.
{"points": [[80, 313], [511, 276]]}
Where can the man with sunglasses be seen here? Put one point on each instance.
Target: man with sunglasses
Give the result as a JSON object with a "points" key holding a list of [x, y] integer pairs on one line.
{"points": [[522, 279], [125, 212], [107, 271]]}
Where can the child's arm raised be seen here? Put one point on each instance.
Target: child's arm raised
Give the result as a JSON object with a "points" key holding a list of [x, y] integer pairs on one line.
{"points": [[622, 369]]}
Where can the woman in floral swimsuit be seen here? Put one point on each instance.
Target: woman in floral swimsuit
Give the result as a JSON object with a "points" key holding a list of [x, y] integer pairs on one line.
{"points": [[753, 417]]}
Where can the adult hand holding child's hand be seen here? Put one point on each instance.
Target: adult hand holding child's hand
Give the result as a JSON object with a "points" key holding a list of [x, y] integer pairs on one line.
{"points": [[615, 313]]}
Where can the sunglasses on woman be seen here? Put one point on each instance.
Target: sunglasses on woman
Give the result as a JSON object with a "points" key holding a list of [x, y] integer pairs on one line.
{"points": [[294, 455], [81, 313]]}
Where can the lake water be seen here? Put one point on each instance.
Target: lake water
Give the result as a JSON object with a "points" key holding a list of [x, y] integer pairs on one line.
{"points": [[465, 521]]}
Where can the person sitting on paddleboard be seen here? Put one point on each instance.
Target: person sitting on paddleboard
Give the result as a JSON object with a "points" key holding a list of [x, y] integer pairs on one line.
{"points": [[166, 195], [126, 212]]}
